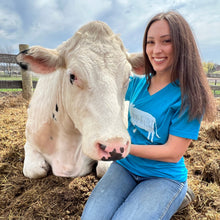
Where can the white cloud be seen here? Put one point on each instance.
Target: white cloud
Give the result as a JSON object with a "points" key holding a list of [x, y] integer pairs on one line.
{"points": [[10, 24], [49, 22], [54, 18], [204, 19]]}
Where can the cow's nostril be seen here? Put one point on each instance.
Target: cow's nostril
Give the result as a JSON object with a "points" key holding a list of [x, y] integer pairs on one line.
{"points": [[102, 146], [112, 151]]}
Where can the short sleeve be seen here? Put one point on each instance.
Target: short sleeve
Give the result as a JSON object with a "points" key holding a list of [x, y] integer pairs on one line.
{"points": [[182, 127]]}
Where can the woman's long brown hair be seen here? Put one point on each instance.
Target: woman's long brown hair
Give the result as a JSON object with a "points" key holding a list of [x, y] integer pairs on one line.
{"points": [[187, 67]]}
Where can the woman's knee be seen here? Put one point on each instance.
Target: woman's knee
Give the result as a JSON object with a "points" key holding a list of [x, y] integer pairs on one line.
{"points": [[109, 193]]}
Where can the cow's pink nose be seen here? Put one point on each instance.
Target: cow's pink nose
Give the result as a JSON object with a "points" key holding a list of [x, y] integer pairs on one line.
{"points": [[112, 151]]}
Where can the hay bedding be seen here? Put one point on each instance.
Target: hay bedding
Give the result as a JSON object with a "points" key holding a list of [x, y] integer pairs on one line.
{"points": [[64, 198]]}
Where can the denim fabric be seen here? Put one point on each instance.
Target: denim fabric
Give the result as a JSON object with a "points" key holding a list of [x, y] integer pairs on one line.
{"points": [[122, 195]]}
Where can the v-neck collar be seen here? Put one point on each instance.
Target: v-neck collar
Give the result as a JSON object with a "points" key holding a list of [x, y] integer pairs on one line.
{"points": [[159, 91]]}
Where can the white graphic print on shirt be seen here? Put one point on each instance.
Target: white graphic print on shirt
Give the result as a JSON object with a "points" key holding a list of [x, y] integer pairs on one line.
{"points": [[144, 121]]}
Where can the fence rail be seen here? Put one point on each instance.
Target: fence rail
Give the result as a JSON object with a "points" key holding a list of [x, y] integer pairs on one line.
{"points": [[17, 84], [212, 75], [214, 78], [214, 89], [13, 84], [8, 58]]}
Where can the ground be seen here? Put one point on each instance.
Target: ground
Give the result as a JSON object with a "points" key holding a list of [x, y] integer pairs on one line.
{"points": [[64, 198]]}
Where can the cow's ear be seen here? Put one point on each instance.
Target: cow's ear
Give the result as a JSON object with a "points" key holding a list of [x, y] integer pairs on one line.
{"points": [[137, 62], [40, 60]]}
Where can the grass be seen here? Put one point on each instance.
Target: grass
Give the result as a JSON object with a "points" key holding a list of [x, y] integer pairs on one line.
{"points": [[216, 72], [10, 90], [2, 77], [217, 92], [212, 83], [11, 78], [15, 78]]}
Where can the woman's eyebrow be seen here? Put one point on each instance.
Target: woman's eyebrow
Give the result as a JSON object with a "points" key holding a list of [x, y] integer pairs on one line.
{"points": [[162, 36], [166, 35]]}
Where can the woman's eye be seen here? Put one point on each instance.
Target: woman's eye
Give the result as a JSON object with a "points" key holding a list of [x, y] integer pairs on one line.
{"points": [[72, 78], [150, 42], [167, 41]]}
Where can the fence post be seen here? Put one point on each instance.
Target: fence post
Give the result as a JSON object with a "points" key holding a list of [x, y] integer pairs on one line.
{"points": [[27, 85]]}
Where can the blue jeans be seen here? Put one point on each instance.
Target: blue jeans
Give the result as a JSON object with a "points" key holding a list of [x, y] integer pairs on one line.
{"points": [[122, 195]]}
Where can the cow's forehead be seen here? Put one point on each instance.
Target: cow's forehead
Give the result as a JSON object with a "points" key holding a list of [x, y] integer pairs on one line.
{"points": [[95, 50], [95, 57], [102, 46], [97, 37], [93, 69]]}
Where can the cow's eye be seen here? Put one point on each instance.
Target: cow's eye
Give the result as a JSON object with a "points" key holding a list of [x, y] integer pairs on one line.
{"points": [[72, 78]]}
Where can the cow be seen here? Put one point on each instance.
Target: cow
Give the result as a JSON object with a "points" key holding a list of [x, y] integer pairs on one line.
{"points": [[75, 116]]}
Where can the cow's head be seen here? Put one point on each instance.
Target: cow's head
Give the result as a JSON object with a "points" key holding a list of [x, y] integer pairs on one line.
{"points": [[95, 69]]}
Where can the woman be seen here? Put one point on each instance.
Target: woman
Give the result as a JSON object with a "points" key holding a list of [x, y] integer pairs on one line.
{"points": [[165, 111]]}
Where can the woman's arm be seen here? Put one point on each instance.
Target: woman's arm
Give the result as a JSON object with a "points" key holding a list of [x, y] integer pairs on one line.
{"points": [[171, 151]]}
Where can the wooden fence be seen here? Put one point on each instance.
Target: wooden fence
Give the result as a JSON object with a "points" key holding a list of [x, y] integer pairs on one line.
{"points": [[214, 81], [13, 84], [26, 84], [8, 58]]}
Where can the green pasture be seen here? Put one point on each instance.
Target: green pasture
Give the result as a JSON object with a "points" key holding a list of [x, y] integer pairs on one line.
{"points": [[212, 83], [10, 90], [16, 78], [216, 72], [12, 78], [217, 92]]}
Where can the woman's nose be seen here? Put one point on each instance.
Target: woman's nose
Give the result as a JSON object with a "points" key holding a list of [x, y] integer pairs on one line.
{"points": [[157, 48]]}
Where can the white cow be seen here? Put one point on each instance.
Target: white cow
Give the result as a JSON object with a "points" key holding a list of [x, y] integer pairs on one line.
{"points": [[76, 113]]}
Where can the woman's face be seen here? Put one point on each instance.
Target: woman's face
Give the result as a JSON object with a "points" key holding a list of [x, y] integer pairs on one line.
{"points": [[159, 47]]}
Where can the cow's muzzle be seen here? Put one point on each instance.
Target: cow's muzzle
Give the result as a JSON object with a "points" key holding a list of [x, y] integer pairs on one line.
{"points": [[112, 151]]}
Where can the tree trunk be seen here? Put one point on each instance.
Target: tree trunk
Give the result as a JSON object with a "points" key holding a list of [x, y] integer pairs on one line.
{"points": [[27, 86]]}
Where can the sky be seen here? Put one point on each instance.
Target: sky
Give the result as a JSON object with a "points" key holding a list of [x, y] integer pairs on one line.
{"points": [[50, 22]]}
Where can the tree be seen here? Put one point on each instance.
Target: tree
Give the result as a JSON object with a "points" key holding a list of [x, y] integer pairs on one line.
{"points": [[208, 67], [205, 68], [7, 67], [211, 67]]}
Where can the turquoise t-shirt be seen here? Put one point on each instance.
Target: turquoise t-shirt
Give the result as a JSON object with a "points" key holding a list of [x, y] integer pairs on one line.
{"points": [[151, 119]]}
